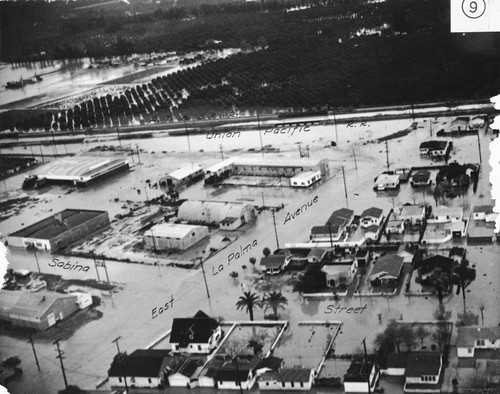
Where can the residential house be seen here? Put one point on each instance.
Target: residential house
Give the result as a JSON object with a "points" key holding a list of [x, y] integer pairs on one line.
{"points": [[362, 258], [183, 373], [395, 226], [372, 232], [231, 376], [478, 121], [423, 371], [196, 335], [435, 148], [446, 215], [457, 254], [386, 182], [341, 217], [361, 377], [407, 252], [412, 214], [472, 339], [387, 269], [288, 379], [142, 368], [269, 364], [371, 217], [206, 376], [459, 124], [484, 212], [316, 255], [337, 275], [305, 179], [335, 226], [274, 264], [427, 267], [421, 178]]}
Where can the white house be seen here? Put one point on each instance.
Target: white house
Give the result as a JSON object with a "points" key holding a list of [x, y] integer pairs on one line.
{"points": [[396, 364], [460, 124], [305, 179], [395, 226], [412, 214], [196, 335], [484, 212], [422, 372], [182, 375], [326, 233], [142, 368], [174, 236], [446, 215], [288, 379], [83, 299], [386, 182], [472, 338], [359, 376], [230, 376], [371, 216], [274, 264], [316, 255], [337, 275], [387, 269]]}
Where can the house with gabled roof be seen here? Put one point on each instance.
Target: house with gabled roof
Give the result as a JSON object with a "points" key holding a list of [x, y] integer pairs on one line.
{"points": [[407, 252], [484, 212], [473, 338], [423, 371], [371, 216], [237, 372], [184, 372], [412, 214], [428, 266], [197, 335], [142, 368], [361, 377], [288, 379], [274, 263], [387, 269]]}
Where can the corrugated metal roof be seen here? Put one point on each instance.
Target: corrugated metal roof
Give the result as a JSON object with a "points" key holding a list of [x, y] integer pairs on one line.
{"points": [[29, 304], [211, 211]]}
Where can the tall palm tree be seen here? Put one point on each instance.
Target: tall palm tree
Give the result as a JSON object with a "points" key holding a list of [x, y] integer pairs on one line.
{"points": [[249, 301], [275, 300]]}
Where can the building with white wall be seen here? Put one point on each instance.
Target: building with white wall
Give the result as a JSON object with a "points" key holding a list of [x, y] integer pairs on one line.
{"points": [[174, 236]]}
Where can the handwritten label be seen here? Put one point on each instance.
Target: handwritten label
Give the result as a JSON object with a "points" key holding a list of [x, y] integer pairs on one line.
{"points": [[287, 130], [68, 265], [234, 256], [156, 312], [213, 115], [212, 134], [361, 124], [339, 309], [290, 216]]}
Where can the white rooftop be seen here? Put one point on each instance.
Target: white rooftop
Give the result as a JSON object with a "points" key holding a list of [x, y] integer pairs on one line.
{"points": [[305, 175], [277, 161], [171, 230], [220, 165], [385, 178], [439, 211], [185, 171]]}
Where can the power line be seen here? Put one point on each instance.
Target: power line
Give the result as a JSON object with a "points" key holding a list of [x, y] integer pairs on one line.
{"points": [[60, 357]]}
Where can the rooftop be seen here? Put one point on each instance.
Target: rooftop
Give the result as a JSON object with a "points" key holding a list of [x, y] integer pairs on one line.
{"points": [[272, 261], [468, 335], [29, 304], [219, 166], [294, 375], [57, 224], [423, 363], [304, 175], [340, 217], [276, 162], [385, 178], [372, 212], [447, 211], [141, 363], [185, 171], [411, 210], [390, 263], [197, 329], [171, 230], [333, 229], [483, 208]]}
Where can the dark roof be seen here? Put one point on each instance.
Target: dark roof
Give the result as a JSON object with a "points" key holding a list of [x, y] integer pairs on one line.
{"points": [[189, 367], [389, 263], [325, 229], [362, 252], [397, 360], [340, 217], [468, 335], [50, 227], [437, 261], [422, 175], [462, 118], [197, 329], [457, 251], [433, 145], [373, 228], [409, 248], [372, 212], [294, 375], [358, 372], [273, 363], [423, 363], [483, 208], [272, 261], [230, 375], [142, 362]]}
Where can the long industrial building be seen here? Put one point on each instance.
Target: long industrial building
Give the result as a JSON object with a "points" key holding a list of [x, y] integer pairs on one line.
{"points": [[60, 229], [281, 167], [228, 215], [80, 170]]}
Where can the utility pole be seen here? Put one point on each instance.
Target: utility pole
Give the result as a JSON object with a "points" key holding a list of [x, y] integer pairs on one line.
{"points": [[336, 131], [34, 352], [221, 152], [132, 154], [204, 277], [355, 163], [120, 360], [41, 153], [36, 258], [366, 363], [260, 135], [345, 187], [187, 135], [387, 153], [118, 132], [138, 156], [275, 230], [263, 204], [105, 270], [479, 148], [60, 357], [32, 154], [330, 231], [153, 238], [430, 126], [95, 264], [53, 143]]}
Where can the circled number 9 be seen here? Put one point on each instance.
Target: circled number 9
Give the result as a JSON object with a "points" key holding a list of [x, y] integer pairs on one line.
{"points": [[473, 8]]}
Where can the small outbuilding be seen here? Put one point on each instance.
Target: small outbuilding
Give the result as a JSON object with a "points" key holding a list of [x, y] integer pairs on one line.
{"points": [[305, 179]]}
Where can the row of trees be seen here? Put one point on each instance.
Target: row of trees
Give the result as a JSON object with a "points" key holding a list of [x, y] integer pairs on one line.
{"points": [[250, 301]]}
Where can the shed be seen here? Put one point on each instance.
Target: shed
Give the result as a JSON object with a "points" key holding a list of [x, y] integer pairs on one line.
{"points": [[305, 179]]}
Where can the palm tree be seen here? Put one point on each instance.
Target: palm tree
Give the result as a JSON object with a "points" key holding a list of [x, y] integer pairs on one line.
{"points": [[275, 300], [248, 301]]}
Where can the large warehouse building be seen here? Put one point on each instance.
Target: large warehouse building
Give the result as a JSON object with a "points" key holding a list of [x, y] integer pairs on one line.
{"points": [[228, 215], [173, 236], [38, 310], [80, 170], [186, 174], [60, 230], [280, 167]]}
